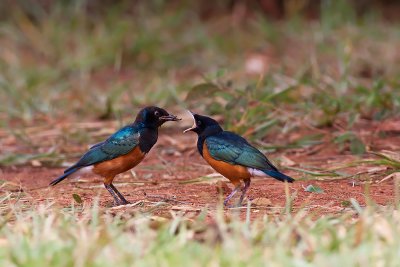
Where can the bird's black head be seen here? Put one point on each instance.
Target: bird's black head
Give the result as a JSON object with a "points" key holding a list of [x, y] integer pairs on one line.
{"points": [[154, 116], [203, 125]]}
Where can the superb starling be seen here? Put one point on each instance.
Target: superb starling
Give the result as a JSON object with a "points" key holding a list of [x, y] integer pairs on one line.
{"points": [[121, 151], [231, 155]]}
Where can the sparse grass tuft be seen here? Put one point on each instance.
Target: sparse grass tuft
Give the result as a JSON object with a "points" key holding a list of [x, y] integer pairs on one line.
{"points": [[46, 236]]}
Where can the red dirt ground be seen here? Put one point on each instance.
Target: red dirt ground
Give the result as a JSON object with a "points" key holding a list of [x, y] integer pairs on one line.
{"points": [[164, 182]]}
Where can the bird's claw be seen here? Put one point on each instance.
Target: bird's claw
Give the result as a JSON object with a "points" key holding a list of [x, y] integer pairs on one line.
{"points": [[116, 204]]}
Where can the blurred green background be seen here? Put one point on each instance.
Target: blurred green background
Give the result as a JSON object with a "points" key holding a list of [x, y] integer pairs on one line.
{"points": [[263, 66]]}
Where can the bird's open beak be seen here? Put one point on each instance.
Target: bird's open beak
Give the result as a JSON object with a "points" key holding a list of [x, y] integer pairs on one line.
{"points": [[169, 117], [194, 126]]}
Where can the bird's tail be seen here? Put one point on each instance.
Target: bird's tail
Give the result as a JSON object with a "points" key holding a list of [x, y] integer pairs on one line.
{"points": [[65, 175], [279, 176]]}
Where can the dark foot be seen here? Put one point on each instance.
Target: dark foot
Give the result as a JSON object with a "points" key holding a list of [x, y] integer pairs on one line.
{"points": [[237, 205], [120, 203], [118, 198], [124, 202], [231, 195], [244, 191], [121, 197], [233, 206]]}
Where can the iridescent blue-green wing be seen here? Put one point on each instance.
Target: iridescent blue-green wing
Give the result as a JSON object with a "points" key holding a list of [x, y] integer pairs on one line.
{"points": [[120, 143], [234, 149]]}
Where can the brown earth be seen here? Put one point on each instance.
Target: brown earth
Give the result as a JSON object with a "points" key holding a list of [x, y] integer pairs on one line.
{"points": [[172, 178]]}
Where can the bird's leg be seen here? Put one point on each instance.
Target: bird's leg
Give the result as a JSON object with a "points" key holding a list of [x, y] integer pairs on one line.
{"points": [[231, 195], [244, 190], [121, 197], [109, 188]]}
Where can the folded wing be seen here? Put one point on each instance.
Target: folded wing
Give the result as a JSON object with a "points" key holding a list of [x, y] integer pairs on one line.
{"points": [[234, 149], [120, 143]]}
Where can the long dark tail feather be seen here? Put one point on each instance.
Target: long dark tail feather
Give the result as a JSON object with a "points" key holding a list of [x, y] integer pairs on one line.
{"points": [[73, 167], [279, 176], [65, 175]]}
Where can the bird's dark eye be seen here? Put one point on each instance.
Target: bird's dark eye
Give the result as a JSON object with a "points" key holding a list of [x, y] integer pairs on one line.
{"points": [[156, 113], [198, 123]]}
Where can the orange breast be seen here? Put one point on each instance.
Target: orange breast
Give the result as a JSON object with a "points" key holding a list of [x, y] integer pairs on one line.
{"points": [[234, 173], [110, 168]]}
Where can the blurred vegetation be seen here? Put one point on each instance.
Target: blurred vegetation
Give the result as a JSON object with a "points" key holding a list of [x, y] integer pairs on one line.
{"points": [[87, 60], [91, 236]]}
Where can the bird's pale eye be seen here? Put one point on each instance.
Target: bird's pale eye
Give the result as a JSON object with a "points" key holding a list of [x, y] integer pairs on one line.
{"points": [[156, 113]]}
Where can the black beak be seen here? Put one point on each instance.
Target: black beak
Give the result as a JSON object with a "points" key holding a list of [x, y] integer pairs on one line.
{"points": [[169, 117]]}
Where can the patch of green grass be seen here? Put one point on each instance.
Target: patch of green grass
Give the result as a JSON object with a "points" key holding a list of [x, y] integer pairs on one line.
{"points": [[68, 60], [48, 159], [356, 146], [44, 236], [385, 158]]}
